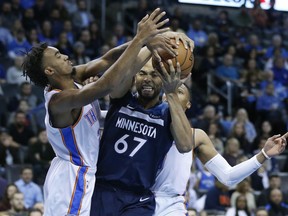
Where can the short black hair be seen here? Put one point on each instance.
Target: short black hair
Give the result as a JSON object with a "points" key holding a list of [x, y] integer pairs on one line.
{"points": [[33, 65]]}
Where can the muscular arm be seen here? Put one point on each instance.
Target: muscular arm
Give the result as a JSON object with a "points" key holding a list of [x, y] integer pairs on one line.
{"points": [[180, 127], [141, 60], [219, 167], [99, 65], [76, 98]]}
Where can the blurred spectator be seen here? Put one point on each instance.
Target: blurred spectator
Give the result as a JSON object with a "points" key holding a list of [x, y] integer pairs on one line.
{"points": [[276, 47], [240, 208], [250, 131], [79, 56], [261, 211], [214, 135], [56, 22], [260, 17], [205, 181], [227, 71], [269, 107], [6, 14], [18, 45], [203, 121], [5, 35], [182, 18], [3, 185], [259, 179], [40, 155], [274, 183], [276, 206], [82, 17], [40, 10], [197, 33], [96, 37], [24, 94], [10, 190], [63, 44], [9, 149], [17, 205], [218, 197], [32, 37], [213, 41], [32, 192], [14, 73], [243, 17], [39, 206], [28, 20], [67, 27], [175, 25], [119, 32], [35, 212], [279, 89], [46, 34], [244, 189], [2, 75], [238, 132], [232, 151], [61, 7], [85, 38], [19, 129], [279, 70]]}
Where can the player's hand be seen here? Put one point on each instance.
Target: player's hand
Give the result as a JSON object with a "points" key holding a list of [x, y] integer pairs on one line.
{"points": [[178, 36], [90, 80], [161, 43], [171, 81], [150, 26], [275, 145]]}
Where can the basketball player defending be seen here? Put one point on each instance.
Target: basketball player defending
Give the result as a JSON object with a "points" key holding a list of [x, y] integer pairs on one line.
{"points": [[71, 119], [139, 130], [171, 181]]}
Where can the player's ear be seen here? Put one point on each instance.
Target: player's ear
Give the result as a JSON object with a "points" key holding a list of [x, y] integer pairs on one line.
{"points": [[188, 105], [49, 71]]}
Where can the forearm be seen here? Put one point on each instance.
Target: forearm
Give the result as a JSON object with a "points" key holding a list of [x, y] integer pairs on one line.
{"points": [[180, 127], [228, 175]]}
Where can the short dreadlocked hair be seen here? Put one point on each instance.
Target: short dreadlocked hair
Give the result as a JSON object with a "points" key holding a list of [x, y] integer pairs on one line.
{"points": [[33, 65]]}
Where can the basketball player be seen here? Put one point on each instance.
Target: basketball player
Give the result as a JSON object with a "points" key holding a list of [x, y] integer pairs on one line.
{"points": [[138, 132], [171, 181], [72, 117]]}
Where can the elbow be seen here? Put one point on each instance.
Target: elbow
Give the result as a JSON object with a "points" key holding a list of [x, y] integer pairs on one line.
{"points": [[184, 148]]}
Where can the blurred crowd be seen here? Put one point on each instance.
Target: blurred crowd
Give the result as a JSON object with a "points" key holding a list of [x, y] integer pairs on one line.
{"points": [[249, 50]]}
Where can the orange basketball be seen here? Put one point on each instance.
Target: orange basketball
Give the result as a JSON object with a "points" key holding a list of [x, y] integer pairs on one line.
{"points": [[185, 58]]}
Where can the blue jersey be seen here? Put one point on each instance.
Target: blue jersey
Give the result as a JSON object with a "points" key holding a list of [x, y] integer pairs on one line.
{"points": [[134, 144]]}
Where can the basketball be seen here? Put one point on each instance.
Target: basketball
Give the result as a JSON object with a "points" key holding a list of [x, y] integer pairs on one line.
{"points": [[185, 58]]}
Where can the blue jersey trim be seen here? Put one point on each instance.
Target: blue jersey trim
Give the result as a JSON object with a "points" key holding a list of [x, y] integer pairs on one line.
{"points": [[70, 142], [78, 192]]}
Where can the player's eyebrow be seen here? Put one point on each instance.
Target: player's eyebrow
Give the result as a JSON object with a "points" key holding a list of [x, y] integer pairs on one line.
{"points": [[56, 53]]}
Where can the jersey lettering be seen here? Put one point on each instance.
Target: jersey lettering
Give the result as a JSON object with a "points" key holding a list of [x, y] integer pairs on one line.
{"points": [[121, 145]]}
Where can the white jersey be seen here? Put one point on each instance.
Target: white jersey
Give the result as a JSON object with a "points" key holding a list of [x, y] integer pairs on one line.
{"points": [[171, 182], [173, 177], [70, 180]]}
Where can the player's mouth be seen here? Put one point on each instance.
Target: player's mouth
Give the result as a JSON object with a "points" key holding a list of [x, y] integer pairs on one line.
{"points": [[147, 89]]}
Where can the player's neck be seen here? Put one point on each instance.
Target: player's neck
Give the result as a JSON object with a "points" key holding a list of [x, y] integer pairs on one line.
{"points": [[64, 84], [148, 103]]}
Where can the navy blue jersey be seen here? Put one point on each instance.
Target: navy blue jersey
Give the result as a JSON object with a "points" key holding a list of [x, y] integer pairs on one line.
{"points": [[134, 144]]}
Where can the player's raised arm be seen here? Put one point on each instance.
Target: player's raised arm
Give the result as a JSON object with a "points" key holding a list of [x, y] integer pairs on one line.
{"points": [[180, 127], [220, 168], [100, 64], [114, 76]]}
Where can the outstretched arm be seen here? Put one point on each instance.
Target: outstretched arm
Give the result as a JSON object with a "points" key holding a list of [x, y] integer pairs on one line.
{"points": [[180, 127], [114, 77], [220, 168], [99, 65]]}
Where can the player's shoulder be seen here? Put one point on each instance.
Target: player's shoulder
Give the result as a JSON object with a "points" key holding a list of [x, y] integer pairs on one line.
{"points": [[199, 133]]}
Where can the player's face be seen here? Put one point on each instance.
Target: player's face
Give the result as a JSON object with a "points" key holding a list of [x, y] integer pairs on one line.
{"points": [[184, 97], [56, 61], [147, 82]]}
